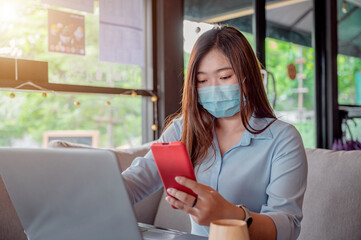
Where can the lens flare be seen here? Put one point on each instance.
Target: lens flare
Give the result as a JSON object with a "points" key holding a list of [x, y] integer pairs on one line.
{"points": [[8, 11]]}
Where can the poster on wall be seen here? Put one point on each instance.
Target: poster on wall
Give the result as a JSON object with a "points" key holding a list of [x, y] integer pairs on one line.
{"points": [[66, 32], [80, 5]]}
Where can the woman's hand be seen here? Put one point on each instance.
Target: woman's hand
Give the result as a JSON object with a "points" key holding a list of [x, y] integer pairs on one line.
{"points": [[210, 205]]}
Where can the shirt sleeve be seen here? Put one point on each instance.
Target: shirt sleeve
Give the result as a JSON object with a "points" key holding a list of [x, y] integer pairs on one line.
{"points": [[142, 178], [287, 184]]}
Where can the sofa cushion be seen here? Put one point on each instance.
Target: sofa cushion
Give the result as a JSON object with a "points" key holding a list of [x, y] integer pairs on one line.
{"points": [[332, 202], [124, 156]]}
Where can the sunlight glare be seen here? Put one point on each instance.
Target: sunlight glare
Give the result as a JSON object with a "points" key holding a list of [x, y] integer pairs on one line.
{"points": [[8, 11]]}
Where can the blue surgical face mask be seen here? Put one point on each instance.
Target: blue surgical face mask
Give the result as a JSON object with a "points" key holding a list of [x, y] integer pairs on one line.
{"points": [[220, 100]]}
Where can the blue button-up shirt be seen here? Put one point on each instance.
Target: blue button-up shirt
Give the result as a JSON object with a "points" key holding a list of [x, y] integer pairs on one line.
{"points": [[266, 172]]}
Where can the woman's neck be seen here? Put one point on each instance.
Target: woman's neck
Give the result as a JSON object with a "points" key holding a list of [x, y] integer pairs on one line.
{"points": [[230, 124]]}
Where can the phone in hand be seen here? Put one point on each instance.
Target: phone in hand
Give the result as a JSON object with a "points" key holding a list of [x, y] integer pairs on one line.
{"points": [[172, 160]]}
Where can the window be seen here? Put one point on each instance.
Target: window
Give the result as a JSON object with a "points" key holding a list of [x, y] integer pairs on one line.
{"points": [[349, 53], [290, 59], [349, 67], [27, 115], [293, 100]]}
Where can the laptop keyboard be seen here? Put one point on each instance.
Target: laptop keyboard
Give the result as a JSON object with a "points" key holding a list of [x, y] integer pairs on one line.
{"points": [[143, 229]]}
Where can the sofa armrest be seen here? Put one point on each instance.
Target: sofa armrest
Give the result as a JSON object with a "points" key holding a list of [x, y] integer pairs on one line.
{"points": [[167, 217]]}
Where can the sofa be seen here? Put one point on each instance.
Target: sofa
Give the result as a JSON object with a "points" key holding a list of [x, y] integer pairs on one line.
{"points": [[331, 208]]}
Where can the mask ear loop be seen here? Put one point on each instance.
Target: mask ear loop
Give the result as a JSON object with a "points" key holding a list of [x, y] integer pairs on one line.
{"points": [[243, 82], [264, 73], [243, 100]]}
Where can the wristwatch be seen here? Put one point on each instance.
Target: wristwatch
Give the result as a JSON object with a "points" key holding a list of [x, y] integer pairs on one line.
{"points": [[248, 217]]}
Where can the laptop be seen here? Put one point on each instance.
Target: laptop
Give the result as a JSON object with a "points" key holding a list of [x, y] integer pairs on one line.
{"points": [[10, 225], [73, 194]]}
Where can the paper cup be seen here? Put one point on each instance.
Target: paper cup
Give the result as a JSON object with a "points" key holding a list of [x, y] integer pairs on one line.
{"points": [[228, 229]]}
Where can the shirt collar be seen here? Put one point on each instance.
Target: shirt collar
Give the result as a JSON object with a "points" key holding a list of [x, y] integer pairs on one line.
{"points": [[257, 124]]}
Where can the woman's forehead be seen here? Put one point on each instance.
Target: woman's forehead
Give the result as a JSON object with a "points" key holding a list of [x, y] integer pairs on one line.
{"points": [[214, 60]]}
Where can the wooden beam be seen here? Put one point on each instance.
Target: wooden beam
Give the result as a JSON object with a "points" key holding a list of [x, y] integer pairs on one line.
{"points": [[259, 30], [12, 85], [169, 56], [328, 127]]}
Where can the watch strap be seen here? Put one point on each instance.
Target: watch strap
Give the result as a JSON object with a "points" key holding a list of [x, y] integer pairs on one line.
{"points": [[247, 214]]}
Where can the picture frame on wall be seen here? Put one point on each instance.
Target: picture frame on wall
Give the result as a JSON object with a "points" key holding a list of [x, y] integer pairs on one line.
{"points": [[85, 137]]}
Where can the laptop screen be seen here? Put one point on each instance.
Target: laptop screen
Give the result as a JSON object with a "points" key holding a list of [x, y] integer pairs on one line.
{"points": [[68, 194]]}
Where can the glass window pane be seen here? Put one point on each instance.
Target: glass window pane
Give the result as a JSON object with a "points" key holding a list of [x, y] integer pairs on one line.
{"points": [[349, 67], [25, 117], [349, 53], [290, 60], [24, 35]]}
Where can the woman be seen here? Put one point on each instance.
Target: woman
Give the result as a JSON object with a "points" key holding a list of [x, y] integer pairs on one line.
{"points": [[248, 164]]}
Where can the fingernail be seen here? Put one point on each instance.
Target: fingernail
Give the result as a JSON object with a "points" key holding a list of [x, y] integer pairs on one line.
{"points": [[170, 190], [177, 178]]}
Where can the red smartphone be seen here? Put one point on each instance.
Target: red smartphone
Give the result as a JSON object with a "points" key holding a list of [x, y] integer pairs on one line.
{"points": [[172, 160]]}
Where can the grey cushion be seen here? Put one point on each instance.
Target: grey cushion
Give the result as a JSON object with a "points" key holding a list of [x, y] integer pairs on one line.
{"points": [[124, 156], [332, 203], [168, 217], [146, 209]]}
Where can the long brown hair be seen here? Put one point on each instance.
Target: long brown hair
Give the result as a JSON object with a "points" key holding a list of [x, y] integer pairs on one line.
{"points": [[198, 124]]}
